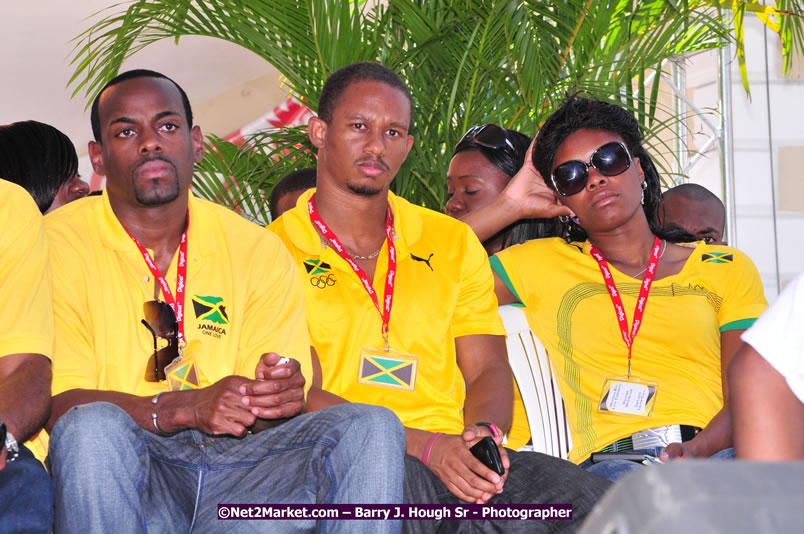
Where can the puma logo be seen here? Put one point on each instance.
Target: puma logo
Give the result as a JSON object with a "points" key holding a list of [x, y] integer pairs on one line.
{"points": [[427, 261]]}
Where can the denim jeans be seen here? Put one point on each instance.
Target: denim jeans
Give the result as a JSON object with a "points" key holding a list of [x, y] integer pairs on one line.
{"points": [[533, 478], [112, 476], [26, 496], [615, 469]]}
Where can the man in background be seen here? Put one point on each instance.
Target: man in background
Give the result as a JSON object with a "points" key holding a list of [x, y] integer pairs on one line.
{"points": [[288, 190], [694, 209]]}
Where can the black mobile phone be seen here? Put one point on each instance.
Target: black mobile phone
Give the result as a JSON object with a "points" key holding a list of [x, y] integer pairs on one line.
{"points": [[487, 452], [598, 457]]}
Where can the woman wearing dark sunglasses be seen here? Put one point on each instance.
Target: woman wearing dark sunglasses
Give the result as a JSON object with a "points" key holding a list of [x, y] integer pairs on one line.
{"points": [[640, 329], [484, 161]]}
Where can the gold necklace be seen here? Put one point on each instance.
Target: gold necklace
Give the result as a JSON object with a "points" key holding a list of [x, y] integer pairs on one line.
{"points": [[369, 257], [325, 244]]}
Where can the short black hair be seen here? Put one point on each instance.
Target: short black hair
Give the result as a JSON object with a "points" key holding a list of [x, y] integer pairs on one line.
{"points": [[581, 113], [37, 157], [342, 78], [94, 117], [695, 192], [509, 162], [300, 180]]}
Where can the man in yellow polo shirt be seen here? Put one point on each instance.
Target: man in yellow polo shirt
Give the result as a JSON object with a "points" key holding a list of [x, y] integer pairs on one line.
{"points": [[26, 343], [131, 450], [402, 313]]}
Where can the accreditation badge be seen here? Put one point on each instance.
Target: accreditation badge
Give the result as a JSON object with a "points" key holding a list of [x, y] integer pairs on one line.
{"points": [[623, 395], [387, 368], [183, 373]]}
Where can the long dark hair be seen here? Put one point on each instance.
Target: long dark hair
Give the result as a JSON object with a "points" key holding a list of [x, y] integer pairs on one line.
{"points": [[37, 157], [578, 113], [510, 162]]}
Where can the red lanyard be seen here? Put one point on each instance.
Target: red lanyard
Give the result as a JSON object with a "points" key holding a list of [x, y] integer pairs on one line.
{"points": [[639, 311], [176, 304], [385, 311]]}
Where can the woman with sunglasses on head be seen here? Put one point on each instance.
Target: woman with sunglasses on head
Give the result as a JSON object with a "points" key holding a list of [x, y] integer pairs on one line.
{"points": [[641, 330], [484, 161], [482, 165]]}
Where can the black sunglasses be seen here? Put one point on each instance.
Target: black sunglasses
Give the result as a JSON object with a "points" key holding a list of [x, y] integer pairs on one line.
{"points": [[571, 177], [489, 136], [161, 322]]}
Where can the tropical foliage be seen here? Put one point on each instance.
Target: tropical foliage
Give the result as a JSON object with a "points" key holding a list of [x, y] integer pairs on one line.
{"points": [[466, 62]]}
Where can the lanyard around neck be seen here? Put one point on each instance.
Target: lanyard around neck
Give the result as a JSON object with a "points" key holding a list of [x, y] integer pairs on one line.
{"points": [[176, 304], [642, 301], [326, 231]]}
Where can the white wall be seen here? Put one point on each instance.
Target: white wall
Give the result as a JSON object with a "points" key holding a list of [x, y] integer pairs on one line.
{"points": [[755, 150]]}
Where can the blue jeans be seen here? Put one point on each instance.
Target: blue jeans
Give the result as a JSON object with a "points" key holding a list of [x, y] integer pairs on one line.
{"points": [[615, 469], [113, 476], [26, 496]]}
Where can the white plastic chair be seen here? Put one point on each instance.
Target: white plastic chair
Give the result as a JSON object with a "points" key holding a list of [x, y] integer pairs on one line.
{"points": [[537, 383]]}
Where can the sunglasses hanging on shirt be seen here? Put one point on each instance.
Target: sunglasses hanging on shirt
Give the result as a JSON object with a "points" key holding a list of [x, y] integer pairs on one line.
{"points": [[161, 322]]}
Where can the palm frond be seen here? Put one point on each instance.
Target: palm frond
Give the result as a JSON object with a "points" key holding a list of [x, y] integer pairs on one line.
{"points": [[466, 62]]}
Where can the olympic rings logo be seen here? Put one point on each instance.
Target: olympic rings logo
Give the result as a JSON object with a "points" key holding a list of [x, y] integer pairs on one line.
{"points": [[322, 282]]}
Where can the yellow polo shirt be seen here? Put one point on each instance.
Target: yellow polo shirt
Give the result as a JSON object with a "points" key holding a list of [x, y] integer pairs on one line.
{"points": [[444, 290], [678, 344], [243, 298], [25, 284]]}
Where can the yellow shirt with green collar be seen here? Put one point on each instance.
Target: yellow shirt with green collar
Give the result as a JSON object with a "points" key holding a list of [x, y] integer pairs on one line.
{"points": [[243, 298], [25, 283], [444, 289], [678, 344]]}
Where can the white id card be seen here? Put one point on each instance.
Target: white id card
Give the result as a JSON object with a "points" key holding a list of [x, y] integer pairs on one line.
{"points": [[627, 396]]}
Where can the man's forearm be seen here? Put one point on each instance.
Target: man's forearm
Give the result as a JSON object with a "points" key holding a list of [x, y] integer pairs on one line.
{"points": [[489, 220], [172, 415], [25, 395], [490, 398], [318, 399], [715, 437]]}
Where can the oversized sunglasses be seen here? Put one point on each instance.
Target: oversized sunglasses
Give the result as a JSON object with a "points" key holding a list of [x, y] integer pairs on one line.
{"points": [[161, 322], [571, 177], [487, 135]]}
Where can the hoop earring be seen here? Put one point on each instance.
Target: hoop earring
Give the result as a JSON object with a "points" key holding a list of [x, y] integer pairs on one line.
{"points": [[563, 218]]}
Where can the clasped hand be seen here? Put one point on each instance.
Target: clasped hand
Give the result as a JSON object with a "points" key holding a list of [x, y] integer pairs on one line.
{"points": [[463, 474], [234, 403]]}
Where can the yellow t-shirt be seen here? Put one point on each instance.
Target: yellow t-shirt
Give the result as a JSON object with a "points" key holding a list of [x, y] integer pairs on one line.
{"points": [[243, 298], [443, 290], [25, 284], [678, 344]]}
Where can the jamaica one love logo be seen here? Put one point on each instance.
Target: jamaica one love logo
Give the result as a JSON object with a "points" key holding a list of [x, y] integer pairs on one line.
{"points": [[212, 310]]}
